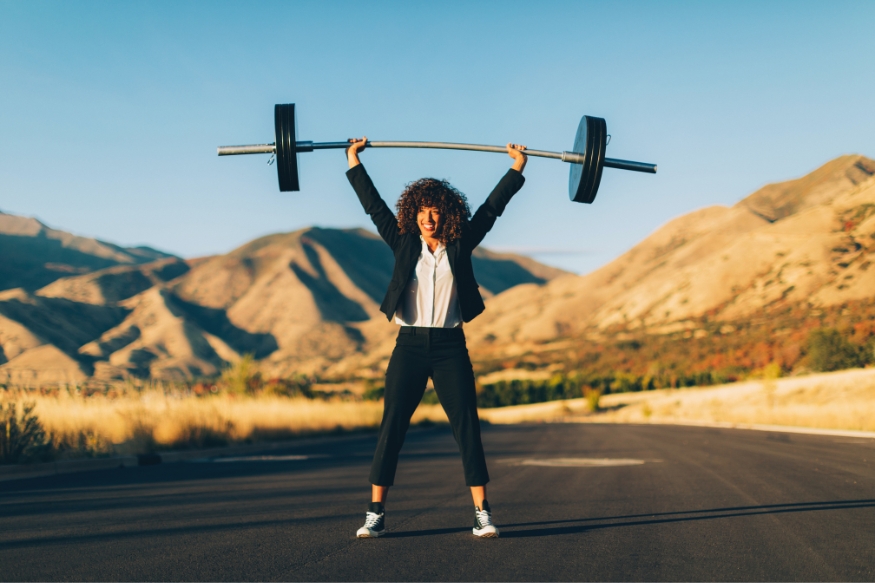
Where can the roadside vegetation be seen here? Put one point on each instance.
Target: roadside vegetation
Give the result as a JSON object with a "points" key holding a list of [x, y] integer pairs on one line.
{"points": [[843, 400], [838, 400], [620, 379], [22, 437], [48, 423], [786, 341]]}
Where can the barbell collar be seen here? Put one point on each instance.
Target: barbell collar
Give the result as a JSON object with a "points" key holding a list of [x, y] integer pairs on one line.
{"points": [[573, 157], [253, 149]]}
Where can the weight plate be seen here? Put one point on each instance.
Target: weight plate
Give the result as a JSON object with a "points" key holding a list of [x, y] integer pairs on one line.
{"points": [[584, 179], [600, 158], [576, 170], [291, 147], [286, 141], [280, 162], [293, 144], [589, 172]]}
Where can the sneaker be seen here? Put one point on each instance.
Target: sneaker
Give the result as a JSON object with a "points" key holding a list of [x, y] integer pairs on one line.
{"points": [[374, 522], [483, 526]]}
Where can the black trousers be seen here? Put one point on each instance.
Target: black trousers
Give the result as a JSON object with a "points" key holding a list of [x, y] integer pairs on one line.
{"points": [[439, 353]]}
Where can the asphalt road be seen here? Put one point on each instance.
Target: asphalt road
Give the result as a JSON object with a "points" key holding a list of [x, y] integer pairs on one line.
{"points": [[706, 504]]}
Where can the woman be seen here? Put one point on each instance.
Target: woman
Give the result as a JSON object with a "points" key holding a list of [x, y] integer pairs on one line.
{"points": [[432, 292]]}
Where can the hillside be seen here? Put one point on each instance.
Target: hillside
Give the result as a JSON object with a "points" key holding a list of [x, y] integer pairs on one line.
{"points": [[35, 255], [300, 302], [806, 241]]}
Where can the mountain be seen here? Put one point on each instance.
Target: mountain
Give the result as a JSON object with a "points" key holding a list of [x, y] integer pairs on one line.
{"points": [[300, 302], [35, 255], [807, 241], [725, 289]]}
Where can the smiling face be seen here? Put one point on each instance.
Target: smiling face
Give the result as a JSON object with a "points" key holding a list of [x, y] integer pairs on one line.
{"points": [[433, 209], [428, 218]]}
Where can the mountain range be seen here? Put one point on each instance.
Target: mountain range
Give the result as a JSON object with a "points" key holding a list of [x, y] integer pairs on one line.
{"points": [[307, 302], [299, 302], [809, 241]]}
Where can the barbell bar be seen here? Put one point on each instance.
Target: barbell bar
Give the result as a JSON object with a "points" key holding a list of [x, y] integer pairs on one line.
{"points": [[587, 157]]}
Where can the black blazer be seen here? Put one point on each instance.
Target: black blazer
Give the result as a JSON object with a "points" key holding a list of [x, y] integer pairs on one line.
{"points": [[408, 247]]}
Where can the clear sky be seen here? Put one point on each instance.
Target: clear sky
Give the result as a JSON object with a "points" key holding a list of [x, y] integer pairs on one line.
{"points": [[110, 112]]}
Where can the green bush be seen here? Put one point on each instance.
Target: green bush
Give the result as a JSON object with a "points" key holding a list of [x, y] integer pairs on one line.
{"points": [[592, 398], [373, 392], [828, 350], [244, 378], [522, 392], [22, 437], [430, 397], [288, 387], [80, 444], [240, 377]]}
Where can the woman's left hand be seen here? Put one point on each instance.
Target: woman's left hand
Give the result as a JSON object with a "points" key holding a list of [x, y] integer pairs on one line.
{"points": [[356, 145], [516, 151]]}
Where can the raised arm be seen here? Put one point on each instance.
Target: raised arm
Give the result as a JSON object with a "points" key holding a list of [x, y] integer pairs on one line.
{"points": [[382, 217], [510, 183]]}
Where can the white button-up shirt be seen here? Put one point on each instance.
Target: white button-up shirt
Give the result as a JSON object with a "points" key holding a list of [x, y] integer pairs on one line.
{"points": [[430, 299]]}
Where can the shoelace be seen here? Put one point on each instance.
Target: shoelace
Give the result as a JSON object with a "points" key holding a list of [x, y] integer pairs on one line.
{"points": [[372, 519], [484, 517]]}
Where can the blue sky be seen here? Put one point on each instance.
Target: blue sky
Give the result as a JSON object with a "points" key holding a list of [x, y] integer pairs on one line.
{"points": [[110, 112]]}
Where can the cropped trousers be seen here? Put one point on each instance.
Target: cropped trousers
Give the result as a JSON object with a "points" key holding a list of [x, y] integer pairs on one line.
{"points": [[420, 353]]}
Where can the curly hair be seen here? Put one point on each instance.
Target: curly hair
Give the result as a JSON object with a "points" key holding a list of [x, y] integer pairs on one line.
{"points": [[440, 194]]}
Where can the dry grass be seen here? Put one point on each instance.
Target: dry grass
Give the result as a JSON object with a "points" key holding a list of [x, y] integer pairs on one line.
{"points": [[138, 423], [535, 412], [841, 400]]}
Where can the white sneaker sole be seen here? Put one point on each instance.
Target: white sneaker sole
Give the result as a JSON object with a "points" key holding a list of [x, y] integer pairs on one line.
{"points": [[368, 533], [486, 532]]}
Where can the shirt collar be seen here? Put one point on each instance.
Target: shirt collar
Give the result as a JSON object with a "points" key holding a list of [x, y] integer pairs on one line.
{"points": [[440, 248]]}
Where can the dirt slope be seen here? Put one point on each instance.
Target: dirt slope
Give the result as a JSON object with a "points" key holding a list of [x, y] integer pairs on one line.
{"points": [[809, 239]]}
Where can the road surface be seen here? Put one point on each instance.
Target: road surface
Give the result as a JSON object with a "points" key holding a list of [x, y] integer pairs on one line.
{"points": [[671, 503]]}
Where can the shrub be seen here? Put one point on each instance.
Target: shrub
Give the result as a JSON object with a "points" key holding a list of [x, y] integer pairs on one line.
{"points": [[522, 392], [22, 437], [828, 350], [80, 444], [244, 378], [239, 377], [592, 398], [373, 392], [430, 397], [294, 387], [197, 435]]}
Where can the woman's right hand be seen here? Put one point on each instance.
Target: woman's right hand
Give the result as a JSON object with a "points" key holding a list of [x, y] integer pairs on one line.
{"points": [[518, 153], [352, 153]]}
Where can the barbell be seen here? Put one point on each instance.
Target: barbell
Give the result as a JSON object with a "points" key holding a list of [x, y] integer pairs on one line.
{"points": [[587, 158]]}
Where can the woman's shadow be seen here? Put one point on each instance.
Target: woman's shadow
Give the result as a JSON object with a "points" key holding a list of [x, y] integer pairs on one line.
{"points": [[580, 525]]}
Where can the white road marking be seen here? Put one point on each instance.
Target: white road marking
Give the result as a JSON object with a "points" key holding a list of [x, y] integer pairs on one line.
{"points": [[267, 458], [576, 462]]}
